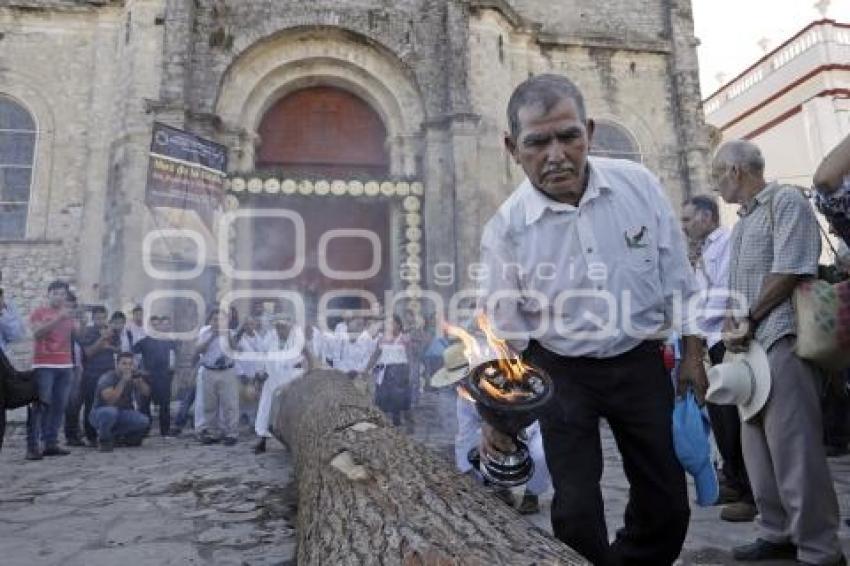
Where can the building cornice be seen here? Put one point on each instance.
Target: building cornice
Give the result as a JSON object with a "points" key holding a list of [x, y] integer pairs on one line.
{"points": [[772, 53], [781, 92], [834, 92]]}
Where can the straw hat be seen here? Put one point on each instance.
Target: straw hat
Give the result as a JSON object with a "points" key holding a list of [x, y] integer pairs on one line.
{"points": [[455, 366], [743, 379]]}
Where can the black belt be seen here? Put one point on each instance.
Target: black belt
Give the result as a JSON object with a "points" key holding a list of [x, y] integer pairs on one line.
{"points": [[647, 347], [219, 368]]}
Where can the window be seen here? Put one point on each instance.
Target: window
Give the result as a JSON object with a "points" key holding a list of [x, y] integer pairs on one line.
{"points": [[611, 140], [17, 152]]}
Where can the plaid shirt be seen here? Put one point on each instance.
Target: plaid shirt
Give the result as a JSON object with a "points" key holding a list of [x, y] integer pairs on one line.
{"points": [[777, 233]]}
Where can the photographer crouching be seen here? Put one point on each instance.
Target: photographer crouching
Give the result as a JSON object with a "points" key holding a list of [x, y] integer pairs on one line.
{"points": [[114, 415]]}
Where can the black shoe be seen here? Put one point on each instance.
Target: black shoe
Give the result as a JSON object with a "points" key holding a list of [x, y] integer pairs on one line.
{"points": [[764, 550], [55, 451], [174, 432], [260, 446], [205, 438], [728, 495], [74, 441], [34, 454], [105, 446], [229, 440]]}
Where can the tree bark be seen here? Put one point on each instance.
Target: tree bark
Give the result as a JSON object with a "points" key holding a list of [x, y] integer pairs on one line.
{"points": [[367, 494]]}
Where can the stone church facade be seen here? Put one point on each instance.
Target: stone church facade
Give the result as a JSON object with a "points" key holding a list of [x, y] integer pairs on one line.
{"points": [[410, 96]]}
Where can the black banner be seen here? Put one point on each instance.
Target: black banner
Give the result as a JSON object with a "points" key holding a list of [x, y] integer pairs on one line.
{"points": [[185, 171]]}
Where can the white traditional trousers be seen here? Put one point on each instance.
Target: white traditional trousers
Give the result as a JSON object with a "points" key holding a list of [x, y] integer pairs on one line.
{"points": [[275, 380]]}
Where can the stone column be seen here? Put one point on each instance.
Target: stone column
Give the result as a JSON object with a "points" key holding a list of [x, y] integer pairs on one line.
{"points": [[439, 210], [687, 100]]}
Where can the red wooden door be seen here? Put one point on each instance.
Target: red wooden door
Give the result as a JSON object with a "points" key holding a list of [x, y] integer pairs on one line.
{"points": [[323, 132]]}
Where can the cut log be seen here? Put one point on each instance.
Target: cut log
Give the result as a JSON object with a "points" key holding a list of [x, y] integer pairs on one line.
{"points": [[368, 494]]}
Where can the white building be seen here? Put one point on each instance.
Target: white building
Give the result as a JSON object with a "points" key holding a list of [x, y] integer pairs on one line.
{"points": [[794, 103]]}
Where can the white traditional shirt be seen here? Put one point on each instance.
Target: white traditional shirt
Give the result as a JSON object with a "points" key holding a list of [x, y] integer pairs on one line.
{"points": [[252, 350], [354, 355], [288, 353], [393, 350], [712, 273], [589, 280]]}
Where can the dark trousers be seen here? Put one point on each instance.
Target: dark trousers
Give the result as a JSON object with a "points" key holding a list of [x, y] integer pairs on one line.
{"points": [[726, 425], [160, 385], [634, 394], [836, 409], [72, 409], [81, 399], [187, 399]]}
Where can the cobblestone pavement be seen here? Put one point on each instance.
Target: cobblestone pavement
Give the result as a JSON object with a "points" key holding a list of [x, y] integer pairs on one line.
{"points": [[709, 540], [175, 502], [168, 502]]}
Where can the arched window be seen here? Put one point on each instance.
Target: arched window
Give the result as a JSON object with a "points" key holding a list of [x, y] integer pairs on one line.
{"points": [[611, 140], [17, 152]]}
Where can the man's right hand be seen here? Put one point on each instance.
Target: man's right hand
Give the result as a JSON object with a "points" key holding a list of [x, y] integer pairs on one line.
{"points": [[494, 441], [737, 334]]}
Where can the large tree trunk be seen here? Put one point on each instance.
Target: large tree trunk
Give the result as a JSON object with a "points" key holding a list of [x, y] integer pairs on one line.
{"points": [[367, 494]]}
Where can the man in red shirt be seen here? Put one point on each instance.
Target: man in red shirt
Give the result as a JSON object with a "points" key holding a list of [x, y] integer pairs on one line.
{"points": [[52, 326]]}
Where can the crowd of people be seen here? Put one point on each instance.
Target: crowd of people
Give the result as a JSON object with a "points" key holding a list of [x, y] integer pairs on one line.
{"points": [[100, 374], [572, 211]]}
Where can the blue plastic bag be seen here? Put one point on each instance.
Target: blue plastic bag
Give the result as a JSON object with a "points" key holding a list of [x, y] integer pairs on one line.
{"points": [[691, 429]]}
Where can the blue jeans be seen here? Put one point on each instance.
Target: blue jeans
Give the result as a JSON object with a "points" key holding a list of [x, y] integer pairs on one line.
{"points": [[112, 421], [187, 399], [45, 418]]}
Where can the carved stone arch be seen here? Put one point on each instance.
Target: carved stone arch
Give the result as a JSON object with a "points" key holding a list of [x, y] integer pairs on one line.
{"points": [[292, 60], [23, 90]]}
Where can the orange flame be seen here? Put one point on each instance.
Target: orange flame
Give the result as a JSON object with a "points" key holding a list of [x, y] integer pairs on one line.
{"points": [[510, 364]]}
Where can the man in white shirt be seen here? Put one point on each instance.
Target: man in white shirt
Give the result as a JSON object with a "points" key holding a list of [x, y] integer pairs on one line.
{"points": [[701, 223], [586, 262], [286, 359], [355, 349], [136, 332]]}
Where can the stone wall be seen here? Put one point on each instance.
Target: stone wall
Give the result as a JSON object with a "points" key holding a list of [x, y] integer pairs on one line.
{"points": [[98, 74], [55, 63]]}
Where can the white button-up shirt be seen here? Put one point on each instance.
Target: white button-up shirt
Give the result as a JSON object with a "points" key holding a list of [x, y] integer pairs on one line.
{"points": [[589, 280], [712, 272], [252, 351], [354, 355]]}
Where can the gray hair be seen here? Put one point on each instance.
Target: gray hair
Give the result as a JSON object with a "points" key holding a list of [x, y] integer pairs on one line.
{"points": [[546, 90], [741, 153]]}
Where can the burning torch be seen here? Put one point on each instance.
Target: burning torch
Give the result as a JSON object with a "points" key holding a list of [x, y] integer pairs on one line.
{"points": [[509, 395]]}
